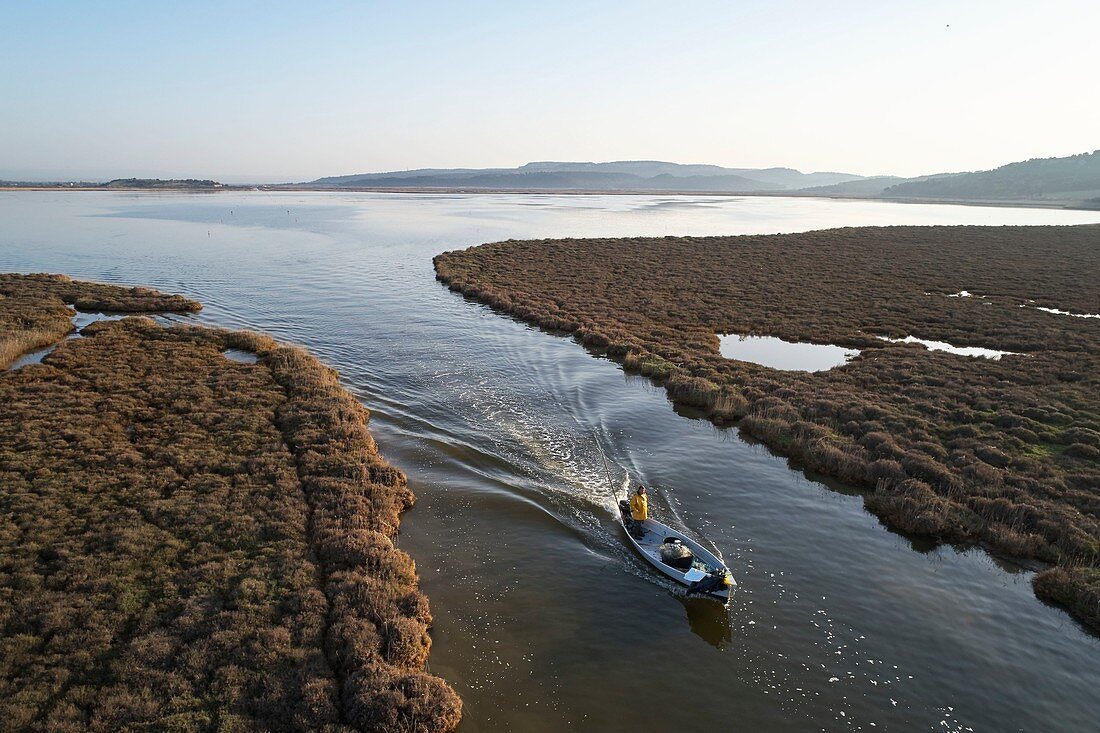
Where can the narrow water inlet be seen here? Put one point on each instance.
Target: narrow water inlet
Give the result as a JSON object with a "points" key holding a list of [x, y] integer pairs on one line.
{"points": [[975, 351], [80, 320], [31, 357], [1060, 312], [776, 353]]}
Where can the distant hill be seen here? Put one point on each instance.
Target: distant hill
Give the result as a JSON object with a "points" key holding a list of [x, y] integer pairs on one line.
{"points": [[173, 183], [871, 187], [1074, 178], [864, 187], [624, 175], [130, 184], [1072, 181]]}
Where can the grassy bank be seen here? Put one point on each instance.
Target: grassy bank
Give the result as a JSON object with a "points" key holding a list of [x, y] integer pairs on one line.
{"points": [[190, 543], [965, 450]]}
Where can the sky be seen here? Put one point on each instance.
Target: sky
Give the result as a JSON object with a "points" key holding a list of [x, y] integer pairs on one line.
{"points": [[272, 91]]}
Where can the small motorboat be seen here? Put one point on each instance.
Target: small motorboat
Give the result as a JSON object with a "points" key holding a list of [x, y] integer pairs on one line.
{"points": [[678, 556], [673, 552]]}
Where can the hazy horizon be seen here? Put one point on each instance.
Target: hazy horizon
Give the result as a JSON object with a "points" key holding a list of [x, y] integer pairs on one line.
{"points": [[32, 176], [250, 94]]}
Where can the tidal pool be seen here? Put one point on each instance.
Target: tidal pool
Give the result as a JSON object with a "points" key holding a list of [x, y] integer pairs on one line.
{"points": [[545, 620], [240, 355], [776, 353], [80, 320]]}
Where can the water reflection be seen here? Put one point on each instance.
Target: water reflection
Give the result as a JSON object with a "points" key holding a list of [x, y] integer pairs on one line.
{"points": [[709, 620], [776, 353]]}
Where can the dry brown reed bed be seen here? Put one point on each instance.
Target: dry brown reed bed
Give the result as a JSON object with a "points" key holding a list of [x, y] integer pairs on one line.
{"points": [[193, 544], [33, 310], [965, 450]]}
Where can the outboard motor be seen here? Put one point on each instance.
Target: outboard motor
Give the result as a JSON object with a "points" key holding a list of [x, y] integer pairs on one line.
{"points": [[715, 582]]}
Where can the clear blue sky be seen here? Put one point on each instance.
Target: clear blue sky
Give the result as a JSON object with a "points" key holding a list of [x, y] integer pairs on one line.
{"points": [[280, 91]]}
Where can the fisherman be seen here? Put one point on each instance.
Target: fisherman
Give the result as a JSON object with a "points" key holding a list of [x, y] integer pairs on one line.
{"points": [[639, 511]]}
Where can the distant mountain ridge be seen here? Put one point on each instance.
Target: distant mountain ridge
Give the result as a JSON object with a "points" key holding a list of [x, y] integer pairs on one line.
{"points": [[1069, 181], [633, 175], [1072, 181]]}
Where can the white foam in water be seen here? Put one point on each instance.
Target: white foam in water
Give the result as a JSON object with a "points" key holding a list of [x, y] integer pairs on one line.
{"points": [[776, 353], [951, 348]]}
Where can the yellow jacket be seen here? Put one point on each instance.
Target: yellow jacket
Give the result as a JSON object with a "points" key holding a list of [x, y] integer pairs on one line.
{"points": [[639, 507]]}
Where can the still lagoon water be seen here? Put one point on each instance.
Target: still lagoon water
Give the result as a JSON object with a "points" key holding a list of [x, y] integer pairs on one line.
{"points": [[544, 619]]}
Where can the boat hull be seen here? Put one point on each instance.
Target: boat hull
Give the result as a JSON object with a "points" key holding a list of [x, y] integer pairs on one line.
{"points": [[649, 548]]}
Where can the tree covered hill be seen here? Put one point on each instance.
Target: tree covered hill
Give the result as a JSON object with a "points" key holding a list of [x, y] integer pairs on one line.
{"points": [[1077, 176]]}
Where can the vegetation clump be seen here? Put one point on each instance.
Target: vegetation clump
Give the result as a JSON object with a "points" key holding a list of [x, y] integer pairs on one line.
{"points": [[195, 544], [157, 183], [1003, 453], [33, 310]]}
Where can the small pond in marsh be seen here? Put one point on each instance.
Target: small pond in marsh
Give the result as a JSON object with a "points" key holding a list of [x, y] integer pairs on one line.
{"points": [[776, 353], [241, 356]]}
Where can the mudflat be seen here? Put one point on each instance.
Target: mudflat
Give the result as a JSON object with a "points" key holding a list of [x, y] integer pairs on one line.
{"points": [[189, 542], [1004, 453]]}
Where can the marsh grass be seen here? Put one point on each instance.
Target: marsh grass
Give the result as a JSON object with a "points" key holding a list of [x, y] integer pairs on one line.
{"points": [[193, 544], [25, 341], [34, 312], [964, 450]]}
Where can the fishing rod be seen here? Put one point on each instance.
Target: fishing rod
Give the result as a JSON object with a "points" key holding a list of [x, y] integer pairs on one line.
{"points": [[614, 493], [606, 470]]}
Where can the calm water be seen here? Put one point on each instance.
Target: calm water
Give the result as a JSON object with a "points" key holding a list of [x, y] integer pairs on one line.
{"points": [[544, 620], [786, 355], [972, 351]]}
